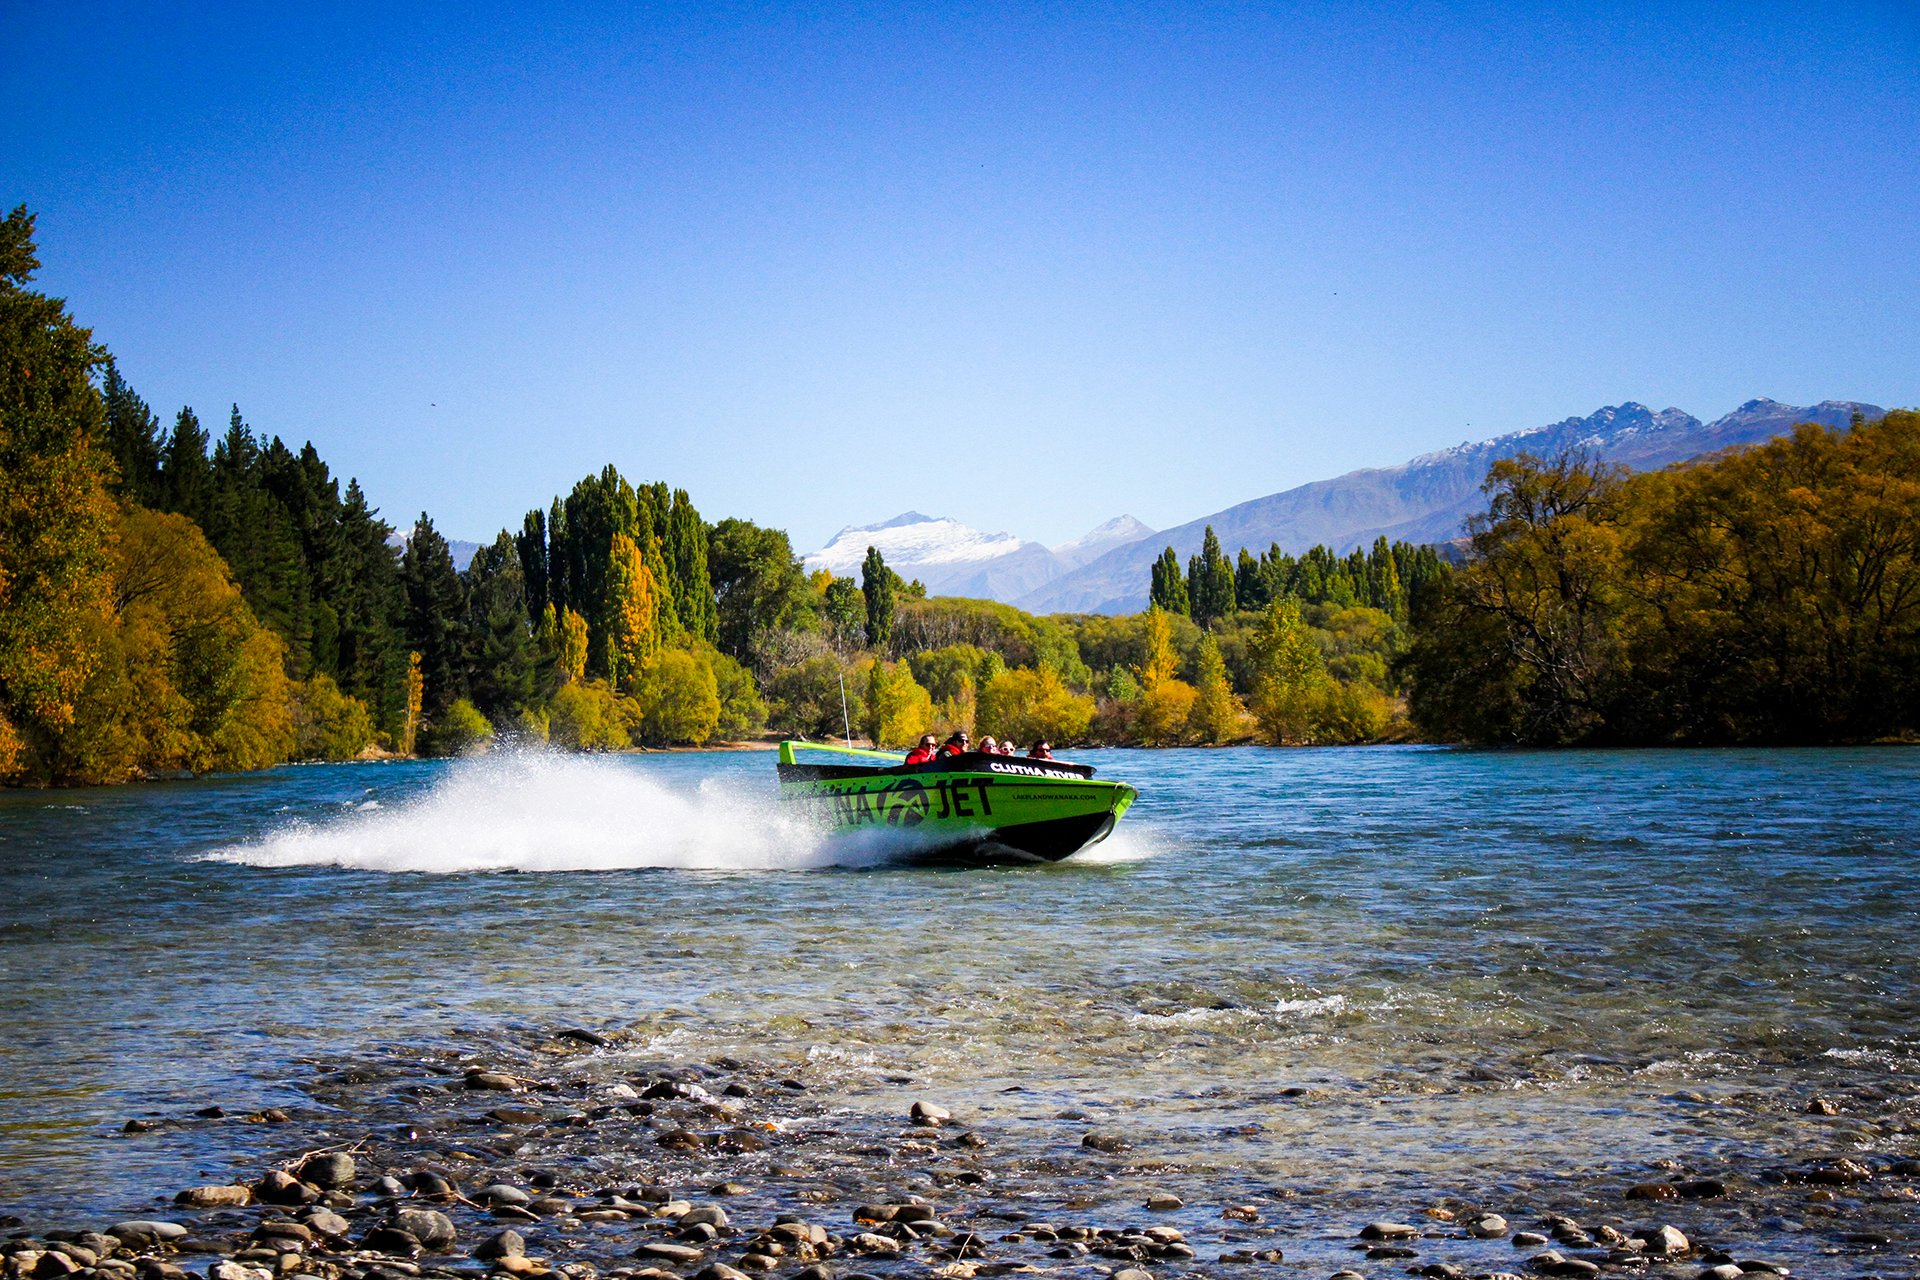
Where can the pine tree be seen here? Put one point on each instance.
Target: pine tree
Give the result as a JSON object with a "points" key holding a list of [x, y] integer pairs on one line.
{"points": [[362, 584], [503, 677], [132, 437], [436, 620], [186, 480], [530, 544], [876, 584], [56, 518]]}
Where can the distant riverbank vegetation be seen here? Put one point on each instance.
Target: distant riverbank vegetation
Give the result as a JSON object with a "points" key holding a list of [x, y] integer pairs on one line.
{"points": [[172, 602]]}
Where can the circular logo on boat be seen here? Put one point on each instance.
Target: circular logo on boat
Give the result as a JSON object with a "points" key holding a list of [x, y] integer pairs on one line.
{"points": [[906, 804]]}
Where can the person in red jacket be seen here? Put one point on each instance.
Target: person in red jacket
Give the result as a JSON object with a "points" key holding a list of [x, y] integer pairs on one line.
{"points": [[922, 753], [957, 745]]}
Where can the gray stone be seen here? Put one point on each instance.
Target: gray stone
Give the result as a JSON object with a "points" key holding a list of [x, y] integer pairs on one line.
{"points": [[281, 1187], [720, 1271], [662, 1251], [1666, 1242], [1165, 1200], [1388, 1231], [868, 1242], [143, 1229], [500, 1193], [1110, 1143], [498, 1082], [1528, 1239], [327, 1222], [1133, 1273], [1488, 1226], [502, 1244], [710, 1214], [930, 1114], [237, 1271], [1725, 1271], [328, 1170], [433, 1229], [219, 1197]]}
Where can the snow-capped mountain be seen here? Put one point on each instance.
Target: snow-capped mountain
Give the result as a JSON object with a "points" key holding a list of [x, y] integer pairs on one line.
{"points": [[1096, 542], [955, 559]]}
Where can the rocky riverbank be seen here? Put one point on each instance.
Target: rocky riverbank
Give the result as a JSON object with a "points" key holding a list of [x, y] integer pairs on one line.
{"points": [[579, 1156]]}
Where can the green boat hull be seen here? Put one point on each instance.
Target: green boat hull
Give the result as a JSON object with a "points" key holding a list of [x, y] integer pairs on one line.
{"points": [[975, 807]]}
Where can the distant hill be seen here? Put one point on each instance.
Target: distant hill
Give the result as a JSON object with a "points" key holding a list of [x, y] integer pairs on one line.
{"points": [[955, 559], [1425, 500]]}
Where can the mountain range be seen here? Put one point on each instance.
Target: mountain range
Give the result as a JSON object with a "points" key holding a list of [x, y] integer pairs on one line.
{"points": [[1427, 499], [955, 559]]}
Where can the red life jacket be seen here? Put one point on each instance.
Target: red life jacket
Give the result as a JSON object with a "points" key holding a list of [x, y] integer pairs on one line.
{"points": [[919, 755]]}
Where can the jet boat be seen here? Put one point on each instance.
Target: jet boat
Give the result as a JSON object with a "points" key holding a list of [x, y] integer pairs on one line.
{"points": [[975, 805]]}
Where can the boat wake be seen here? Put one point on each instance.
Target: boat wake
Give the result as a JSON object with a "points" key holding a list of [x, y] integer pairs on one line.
{"points": [[537, 811]]}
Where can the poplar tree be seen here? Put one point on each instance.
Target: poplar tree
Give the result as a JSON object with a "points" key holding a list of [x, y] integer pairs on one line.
{"points": [[633, 612], [686, 548], [1169, 589], [1210, 587], [876, 584]]}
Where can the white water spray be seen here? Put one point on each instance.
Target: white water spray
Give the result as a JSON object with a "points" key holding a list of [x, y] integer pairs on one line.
{"points": [[539, 811]]}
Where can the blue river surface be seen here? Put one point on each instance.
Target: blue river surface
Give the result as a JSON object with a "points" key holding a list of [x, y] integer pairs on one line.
{"points": [[1378, 976]]}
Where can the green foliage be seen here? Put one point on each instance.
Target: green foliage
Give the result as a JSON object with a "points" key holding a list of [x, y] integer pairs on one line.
{"points": [[1289, 671], [1217, 714], [133, 438], [503, 663], [876, 588], [1210, 586], [760, 591], [898, 709], [743, 713], [804, 700], [1169, 589], [844, 611], [678, 698], [436, 616], [56, 520], [328, 724], [1770, 595], [1030, 706], [586, 716], [686, 559], [459, 730]]}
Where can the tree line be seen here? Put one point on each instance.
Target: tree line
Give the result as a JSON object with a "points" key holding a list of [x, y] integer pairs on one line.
{"points": [[170, 601], [1769, 595]]}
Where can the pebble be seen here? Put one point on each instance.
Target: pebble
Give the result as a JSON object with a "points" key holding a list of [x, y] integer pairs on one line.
{"points": [[929, 1114], [1725, 1271], [501, 1244], [709, 1214], [1111, 1143], [1528, 1239], [214, 1197], [500, 1193], [140, 1231], [1163, 1201], [433, 1229], [1488, 1226], [662, 1251], [1133, 1273], [328, 1170], [721, 1271], [499, 1082], [1388, 1231], [237, 1271], [1665, 1242]]}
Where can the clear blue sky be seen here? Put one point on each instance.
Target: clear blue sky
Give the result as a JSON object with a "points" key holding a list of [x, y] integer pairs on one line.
{"points": [[1029, 266]]}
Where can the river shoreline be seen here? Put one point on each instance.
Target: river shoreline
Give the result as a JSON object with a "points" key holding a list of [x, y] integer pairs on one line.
{"points": [[585, 1153]]}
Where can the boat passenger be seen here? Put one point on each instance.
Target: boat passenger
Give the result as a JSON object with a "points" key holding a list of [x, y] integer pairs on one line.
{"points": [[989, 746], [955, 745], [924, 752], [1041, 751], [1007, 748]]}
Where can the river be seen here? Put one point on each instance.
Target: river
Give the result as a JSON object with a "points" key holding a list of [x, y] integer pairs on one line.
{"points": [[1365, 979]]}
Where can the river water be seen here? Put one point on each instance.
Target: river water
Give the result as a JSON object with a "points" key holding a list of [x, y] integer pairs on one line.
{"points": [[1360, 979]]}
